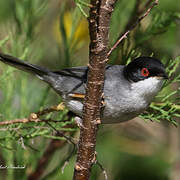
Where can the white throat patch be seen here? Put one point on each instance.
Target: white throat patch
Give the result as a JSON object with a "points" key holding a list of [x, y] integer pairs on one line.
{"points": [[147, 87]]}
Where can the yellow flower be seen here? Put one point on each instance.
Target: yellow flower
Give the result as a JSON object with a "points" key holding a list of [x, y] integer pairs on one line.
{"points": [[76, 31]]}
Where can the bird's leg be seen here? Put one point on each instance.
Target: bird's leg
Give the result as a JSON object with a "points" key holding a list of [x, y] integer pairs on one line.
{"points": [[78, 121], [103, 103]]}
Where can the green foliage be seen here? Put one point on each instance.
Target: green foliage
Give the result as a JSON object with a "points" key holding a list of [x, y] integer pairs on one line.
{"points": [[159, 24], [20, 95], [27, 32]]}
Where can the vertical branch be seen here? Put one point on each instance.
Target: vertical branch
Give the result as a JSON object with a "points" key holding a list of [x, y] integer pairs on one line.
{"points": [[99, 20]]}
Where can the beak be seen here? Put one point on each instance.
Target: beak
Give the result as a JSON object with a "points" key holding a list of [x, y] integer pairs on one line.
{"points": [[163, 75], [166, 76]]}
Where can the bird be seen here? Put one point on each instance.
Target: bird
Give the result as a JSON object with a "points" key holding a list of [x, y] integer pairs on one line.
{"points": [[128, 89]]}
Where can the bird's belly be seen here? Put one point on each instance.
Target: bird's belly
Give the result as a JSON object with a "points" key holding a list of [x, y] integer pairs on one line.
{"points": [[113, 112], [121, 117], [120, 112], [75, 106]]}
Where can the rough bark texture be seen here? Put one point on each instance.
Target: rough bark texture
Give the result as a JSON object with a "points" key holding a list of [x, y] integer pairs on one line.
{"points": [[99, 21]]}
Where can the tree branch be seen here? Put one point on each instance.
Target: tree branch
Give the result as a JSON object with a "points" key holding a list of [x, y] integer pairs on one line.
{"points": [[26, 120], [34, 117], [99, 21], [124, 35]]}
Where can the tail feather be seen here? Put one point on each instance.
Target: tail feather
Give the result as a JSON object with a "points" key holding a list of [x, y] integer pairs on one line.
{"points": [[25, 66]]}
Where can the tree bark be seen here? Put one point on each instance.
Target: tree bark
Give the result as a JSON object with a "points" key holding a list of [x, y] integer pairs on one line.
{"points": [[99, 22]]}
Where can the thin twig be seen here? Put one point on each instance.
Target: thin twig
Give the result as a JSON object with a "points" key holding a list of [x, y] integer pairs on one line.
{"points": [[66, 162], [26, 120], [102, 169], [131, 28], [145, 7], [34, 117], [69, 139], [59, 133], [17, 128], [59, 107], [135, 13]]}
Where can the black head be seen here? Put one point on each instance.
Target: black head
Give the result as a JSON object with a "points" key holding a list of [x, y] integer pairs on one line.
{"points": [[144, 67]]}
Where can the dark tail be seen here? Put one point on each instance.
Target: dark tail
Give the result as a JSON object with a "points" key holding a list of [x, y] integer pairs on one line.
{"points": [[22, 65]]}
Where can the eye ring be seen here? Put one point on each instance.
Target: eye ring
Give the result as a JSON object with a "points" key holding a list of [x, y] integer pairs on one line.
{"points": [[144, 72]]}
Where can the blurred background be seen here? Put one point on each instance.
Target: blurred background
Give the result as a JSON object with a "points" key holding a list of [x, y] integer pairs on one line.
{"points": [[54, 34]]}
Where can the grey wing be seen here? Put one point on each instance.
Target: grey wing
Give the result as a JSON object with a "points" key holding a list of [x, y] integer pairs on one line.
{"points": [[71, 80]]}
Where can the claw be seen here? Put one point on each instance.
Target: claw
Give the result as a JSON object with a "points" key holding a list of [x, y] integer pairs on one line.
{"points": [[78, 121], [103, 103]]}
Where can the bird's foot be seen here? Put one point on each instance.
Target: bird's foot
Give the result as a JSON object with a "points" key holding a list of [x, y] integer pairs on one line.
{"points": [[103, 103], [79, 123]]}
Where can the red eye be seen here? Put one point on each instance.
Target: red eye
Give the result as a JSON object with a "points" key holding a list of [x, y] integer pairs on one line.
{"points": [[144, 72]]}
